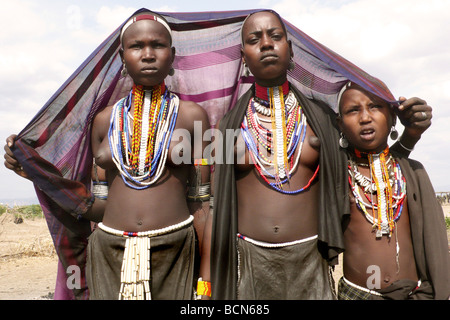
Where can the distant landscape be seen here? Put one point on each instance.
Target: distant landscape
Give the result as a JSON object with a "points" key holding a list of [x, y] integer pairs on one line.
{"points": [[34, 200], [19, 202]]}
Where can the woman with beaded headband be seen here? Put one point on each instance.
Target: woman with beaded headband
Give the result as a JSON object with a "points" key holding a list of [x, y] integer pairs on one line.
{"points": [[395, 238], [278, 205], [151, 186], [146, 245]]}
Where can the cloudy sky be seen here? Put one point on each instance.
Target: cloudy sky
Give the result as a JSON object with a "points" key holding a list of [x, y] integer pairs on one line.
{"points": [[405, 43]]}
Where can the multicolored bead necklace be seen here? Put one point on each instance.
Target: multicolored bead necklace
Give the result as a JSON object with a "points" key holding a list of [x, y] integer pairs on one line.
{"points": [[390, 186], [272, 150], [141, 161]]}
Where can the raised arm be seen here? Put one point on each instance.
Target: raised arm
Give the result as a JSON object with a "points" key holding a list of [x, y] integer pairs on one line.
{"points": [[415, 114]]}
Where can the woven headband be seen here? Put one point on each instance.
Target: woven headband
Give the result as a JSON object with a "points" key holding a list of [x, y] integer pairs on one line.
{"points": [[145, 17], [343, 89]]}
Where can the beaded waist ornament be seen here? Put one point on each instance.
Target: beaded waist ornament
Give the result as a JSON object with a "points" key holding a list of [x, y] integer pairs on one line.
{"points": [[272, 149], [387, 183], [135, 272], [140, 142]]}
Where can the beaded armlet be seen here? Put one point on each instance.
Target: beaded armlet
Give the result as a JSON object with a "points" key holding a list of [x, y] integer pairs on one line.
{"points": [[198, 191], [100, 189]]}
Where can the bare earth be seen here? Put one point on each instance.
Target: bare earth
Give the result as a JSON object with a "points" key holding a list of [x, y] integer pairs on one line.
{"points": [[28, 263]]}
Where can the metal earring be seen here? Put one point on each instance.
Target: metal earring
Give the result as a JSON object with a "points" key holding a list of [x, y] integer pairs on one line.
{"points": [[394, 133], [246, 70], [343, 143], [291, 66], [124, 71], [171, 71]]}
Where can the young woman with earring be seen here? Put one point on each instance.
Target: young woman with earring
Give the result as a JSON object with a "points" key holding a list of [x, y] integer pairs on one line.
{"points": [[395, 239], [278, 205], [146, 245]]}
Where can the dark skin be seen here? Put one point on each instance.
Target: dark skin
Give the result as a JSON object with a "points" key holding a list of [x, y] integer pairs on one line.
{"points": [[280, 220], [266, 215], [366, 121], [148, 56], [263, 213], [271, 216]]}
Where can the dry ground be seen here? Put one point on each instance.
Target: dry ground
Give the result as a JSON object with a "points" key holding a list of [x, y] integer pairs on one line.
{"points": [[28, 263]]}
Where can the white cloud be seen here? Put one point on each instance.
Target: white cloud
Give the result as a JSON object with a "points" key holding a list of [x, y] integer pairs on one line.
{"points": [[111, 17], [29, 24], [403, 42]]}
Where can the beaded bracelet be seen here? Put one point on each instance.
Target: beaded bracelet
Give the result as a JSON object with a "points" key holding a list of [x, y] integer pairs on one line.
{"points": [[100, 189], [201, 162], [203, 288], [199, 192]]}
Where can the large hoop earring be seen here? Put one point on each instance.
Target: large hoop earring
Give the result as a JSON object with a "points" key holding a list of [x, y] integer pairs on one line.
{"points": [[394, 133]]}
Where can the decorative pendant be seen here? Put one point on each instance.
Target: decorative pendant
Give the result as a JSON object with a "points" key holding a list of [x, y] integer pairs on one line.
{"points": [[384, 199], [279, 130], [285, 137], [139, 144], [388, 185]]}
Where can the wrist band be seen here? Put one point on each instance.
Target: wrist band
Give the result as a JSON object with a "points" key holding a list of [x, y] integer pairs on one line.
{"points": [[203, 288], [407, 149], [100, 189], [199, 192], [201, 162]]}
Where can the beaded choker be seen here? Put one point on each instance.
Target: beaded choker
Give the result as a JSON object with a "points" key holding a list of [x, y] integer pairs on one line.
{"points": [[139, 144], [262, 93], [389, 185], [272, 149]]}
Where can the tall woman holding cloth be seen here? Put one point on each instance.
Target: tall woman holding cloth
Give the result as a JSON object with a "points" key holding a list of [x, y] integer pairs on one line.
{"points": [[145, 246]]}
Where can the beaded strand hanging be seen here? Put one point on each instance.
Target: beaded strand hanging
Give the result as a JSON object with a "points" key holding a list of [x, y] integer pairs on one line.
{"points": [[389, 186], [140, 143], [272, 150]]}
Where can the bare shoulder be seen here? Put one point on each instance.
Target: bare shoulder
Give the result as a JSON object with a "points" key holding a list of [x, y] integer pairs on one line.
{"points": [[101, 122], [104, 115], [190, 112]]}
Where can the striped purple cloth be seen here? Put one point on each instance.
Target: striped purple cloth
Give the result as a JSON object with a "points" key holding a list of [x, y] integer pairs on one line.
{"points": [[54, 148]]}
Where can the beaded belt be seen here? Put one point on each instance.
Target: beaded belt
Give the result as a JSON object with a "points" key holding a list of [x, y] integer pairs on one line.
{"points": [[135, 272], [373, 291], [150, 233], [362, 288], [275, 245]]}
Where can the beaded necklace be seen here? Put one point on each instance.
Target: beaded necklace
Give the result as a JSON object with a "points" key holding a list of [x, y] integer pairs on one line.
{"points": [[272, 149], [389, 185], [140, 144]]}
